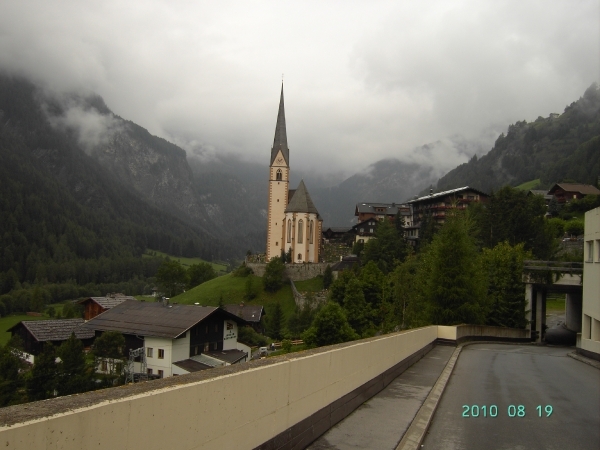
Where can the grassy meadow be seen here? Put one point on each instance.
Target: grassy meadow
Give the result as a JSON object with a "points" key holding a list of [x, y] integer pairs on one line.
{"points": [[186, 262], [233, 290]]}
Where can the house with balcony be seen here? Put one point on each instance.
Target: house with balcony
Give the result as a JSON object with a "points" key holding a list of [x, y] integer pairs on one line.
{"points": [[565, 192], [176, 339], [437, 205]]}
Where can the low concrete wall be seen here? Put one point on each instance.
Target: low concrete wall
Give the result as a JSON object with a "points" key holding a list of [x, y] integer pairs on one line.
{"points": [[232, 407], [483, 332], [295, 272]]}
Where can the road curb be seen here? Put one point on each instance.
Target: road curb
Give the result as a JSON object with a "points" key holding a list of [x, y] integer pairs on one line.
{"points": [[416, 432], [583, 359]]}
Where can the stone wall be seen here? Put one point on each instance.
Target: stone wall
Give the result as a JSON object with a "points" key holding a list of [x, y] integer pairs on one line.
{"points": [[295, 272]]}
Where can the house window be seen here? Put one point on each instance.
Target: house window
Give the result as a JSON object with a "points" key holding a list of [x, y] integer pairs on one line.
{"points": [[149, 371], [598, 251], [161, 353], [300, 225], [149, 351], [590, 251], [160, 373], [370, 230], [215, 345], [278, 176], [196, 349], [362, 229], [206, 348], [104, 366], [311, 231], [289, 230]]}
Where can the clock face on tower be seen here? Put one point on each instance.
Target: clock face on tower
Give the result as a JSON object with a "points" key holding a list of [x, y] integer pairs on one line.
{"points": [[279, 160]]}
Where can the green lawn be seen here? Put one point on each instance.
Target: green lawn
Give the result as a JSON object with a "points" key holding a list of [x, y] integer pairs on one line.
{"points": [[312, 285], [555, 304], [233, 289], [219, 268], [10, 321], [529, 185]]}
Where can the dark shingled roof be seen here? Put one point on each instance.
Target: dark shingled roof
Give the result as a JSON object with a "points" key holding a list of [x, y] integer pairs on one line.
{"points": [[391, 208], [108, 302], [152, 319], [250, 313], [301, 201], [586, 189], [229, 356], [444, 193], [191, 366], [280, 140], [56, 330]]}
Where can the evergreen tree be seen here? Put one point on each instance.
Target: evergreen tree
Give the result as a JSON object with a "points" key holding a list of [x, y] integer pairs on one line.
{"points": [[337, 289], [43, 377], [73, 373], [329, 326], [327, 277], [358, 311], [273, 278], [276, 322], [409, 306], [11, 379], [388, 248], [452, 276], [506, 296]]}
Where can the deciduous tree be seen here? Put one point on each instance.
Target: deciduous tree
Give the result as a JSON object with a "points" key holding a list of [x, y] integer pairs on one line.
{"points": [[330, 326]]}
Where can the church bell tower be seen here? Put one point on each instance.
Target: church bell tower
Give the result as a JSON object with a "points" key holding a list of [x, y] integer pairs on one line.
{"points": [[279, 176]]}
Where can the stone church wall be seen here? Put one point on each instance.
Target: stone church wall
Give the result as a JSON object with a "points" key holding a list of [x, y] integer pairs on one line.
{"points": [[295, 272]]}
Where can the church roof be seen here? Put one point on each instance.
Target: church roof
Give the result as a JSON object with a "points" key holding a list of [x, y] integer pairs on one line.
{"points": [[301, 201], [280, 140]]}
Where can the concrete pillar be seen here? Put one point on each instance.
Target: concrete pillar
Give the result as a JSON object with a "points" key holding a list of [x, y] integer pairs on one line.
{"points": [[540, 314], [573, 311], [529, 301]]}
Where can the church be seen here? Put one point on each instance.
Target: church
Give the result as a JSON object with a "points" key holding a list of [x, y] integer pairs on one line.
{"points": [[293, 220]]}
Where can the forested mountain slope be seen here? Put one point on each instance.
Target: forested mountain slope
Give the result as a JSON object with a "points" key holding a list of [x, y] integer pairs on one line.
{"points": [[552, 149], [65, 217]]}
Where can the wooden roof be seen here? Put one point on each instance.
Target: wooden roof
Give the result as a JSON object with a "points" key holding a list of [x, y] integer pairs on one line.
{"points": [[55, 330], [153, 319]]}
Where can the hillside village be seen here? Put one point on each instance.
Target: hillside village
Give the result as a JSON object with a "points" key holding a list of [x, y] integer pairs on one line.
{"points": [[448, 257]]}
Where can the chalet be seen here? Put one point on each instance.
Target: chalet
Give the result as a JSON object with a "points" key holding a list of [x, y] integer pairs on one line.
{"points": [[436, 205], [379, 211], [35, 333], [365, 231], [337, 234], [565, 192], [252, 314], [97, 305], [176, 339]]}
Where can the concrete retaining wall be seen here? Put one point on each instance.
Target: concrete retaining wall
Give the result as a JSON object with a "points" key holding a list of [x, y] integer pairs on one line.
{"points": [[295, 272], [482, 332], [274, 403], [243, 409]]}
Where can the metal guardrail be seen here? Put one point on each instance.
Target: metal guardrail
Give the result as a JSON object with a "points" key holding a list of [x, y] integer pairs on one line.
{"points": [[553, 266]]}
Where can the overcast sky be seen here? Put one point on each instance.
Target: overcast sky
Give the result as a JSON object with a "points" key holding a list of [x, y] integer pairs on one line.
{"points": [[364, 80]]}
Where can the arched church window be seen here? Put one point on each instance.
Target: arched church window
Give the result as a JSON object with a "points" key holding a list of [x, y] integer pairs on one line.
{"points": [[289, 230], [300, 230], [310, 232], [299, 256], [279, 175]]}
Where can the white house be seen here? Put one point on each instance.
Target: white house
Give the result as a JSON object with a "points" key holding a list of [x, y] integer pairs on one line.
{"points": [[176, 339], [589, 342]]}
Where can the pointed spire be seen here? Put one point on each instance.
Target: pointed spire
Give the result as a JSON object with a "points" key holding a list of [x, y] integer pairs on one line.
{"points": [[301, 201], [280, 140]]}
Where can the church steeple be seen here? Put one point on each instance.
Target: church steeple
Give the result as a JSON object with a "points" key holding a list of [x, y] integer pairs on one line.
{"points": [[280, 140]]}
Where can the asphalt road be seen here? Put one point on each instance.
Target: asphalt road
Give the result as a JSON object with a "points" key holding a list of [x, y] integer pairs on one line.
{"points": [[504, 375]]}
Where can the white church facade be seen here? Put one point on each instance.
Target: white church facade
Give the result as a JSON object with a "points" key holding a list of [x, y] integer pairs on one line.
{"points": [[293, 220]]}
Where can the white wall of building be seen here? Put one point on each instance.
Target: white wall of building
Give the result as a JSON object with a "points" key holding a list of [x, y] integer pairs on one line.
{"points": [[230, 335], [181, 348], [590, 333], [154, 362]]}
